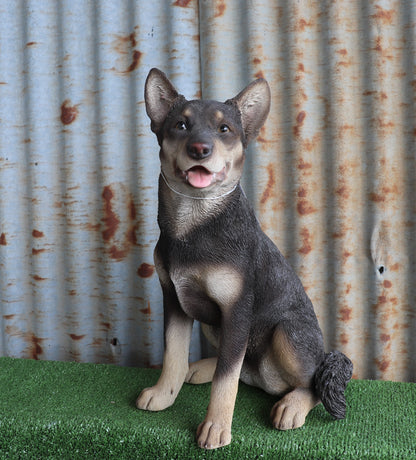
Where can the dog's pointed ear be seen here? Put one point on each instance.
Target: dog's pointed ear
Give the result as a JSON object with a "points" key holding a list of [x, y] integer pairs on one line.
{"points": [[253, 103], [159, 95]]}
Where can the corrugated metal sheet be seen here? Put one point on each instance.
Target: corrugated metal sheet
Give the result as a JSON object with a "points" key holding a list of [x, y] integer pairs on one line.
{"points": [[332, 175]]}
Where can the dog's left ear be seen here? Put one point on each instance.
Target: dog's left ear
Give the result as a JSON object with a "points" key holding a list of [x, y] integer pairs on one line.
{"points": [[254, 105]]}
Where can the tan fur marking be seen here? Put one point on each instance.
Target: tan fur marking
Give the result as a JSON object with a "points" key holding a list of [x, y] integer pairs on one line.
{"points": [[218, 115], [287, 361], [187, 112], [223, 285]]}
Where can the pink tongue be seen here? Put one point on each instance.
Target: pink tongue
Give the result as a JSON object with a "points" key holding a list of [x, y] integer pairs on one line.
{"points": [[199, 177]]}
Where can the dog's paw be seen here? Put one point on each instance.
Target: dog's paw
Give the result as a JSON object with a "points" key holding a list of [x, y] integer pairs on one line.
{"points": [[291, 411], [201, 371], [212, 435], [155, 399]]}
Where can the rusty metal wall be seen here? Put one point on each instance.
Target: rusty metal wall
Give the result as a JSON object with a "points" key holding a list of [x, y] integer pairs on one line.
{"points": [[331, 176]]}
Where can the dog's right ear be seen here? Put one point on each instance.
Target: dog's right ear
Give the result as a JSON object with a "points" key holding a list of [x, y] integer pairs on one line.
{"points": [[159, 96]]}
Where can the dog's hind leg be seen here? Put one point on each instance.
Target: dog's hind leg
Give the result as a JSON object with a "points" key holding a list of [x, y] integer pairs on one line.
{"points": [[201, 371], [290, 411]]}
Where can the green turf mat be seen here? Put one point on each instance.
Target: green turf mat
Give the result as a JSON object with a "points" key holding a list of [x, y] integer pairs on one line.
{"points": [[75, 411]]}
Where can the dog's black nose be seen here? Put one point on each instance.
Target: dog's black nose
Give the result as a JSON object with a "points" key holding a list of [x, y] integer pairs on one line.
{"points": [[199, 150]]}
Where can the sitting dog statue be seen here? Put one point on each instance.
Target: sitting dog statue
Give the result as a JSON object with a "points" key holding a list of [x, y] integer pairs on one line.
{"points": [[216, 266]]}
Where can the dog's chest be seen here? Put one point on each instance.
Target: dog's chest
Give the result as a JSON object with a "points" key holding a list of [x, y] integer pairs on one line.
{"points": [[206, 293]]}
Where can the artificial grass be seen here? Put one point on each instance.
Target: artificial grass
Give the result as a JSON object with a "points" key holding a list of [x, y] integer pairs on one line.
{"points": [[75, 411]]}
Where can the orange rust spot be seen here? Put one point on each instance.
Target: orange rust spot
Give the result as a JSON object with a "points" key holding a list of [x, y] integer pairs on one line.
{"points": [[267, 193], [344, 338], [256, 61], [394, 267], [36, 348], [259, 74], [385, 16], [301, 117], [302, 24], [117, 254], [342, 52], [110, 218], [37, 234], [35, 252], [346, 313], [31, 43], [76, 337], [146, 311], [382, 364], [385, 338], [69, 113], [38, 278], [306, 247], [302, 192], [301, 67], [135, 62], [145, 270], [106, 325], [387, 284], [348, 289], [343, 191], [304, 207], [3, 241], [182, 3], [8, 317], [303, 165], [220, 8]]}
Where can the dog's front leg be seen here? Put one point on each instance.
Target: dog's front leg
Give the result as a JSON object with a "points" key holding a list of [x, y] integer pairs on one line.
{"points": [[178, 328], [215, 430]]}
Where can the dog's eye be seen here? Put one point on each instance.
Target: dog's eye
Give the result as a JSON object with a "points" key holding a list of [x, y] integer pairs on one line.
{"points": [[224, 128], [181, 126]]}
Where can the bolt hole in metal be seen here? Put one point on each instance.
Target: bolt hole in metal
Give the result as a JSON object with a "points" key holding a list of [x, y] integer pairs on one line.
{"points": [[381, 269]]}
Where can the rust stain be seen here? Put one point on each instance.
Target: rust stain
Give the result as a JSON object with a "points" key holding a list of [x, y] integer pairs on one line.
{"points": [[135, 62], [256, 61], [145, 270], [69, 112], [146, 311], [31, 43], [8, 317], [267, 193], [106, 325], [3, 241], [345, 314], [36, 348], [110, 219], [126, 47], [37, 234], [119, 228], [385, 338], [300, 118], [303, 24], [387, 284], [259, 74], [382, 364], [220, 8], [344, 338], [306, 247], [303, 165], [385, 16], [38, 278], [35, 252], [76, 337], [182, 3], [304, 207]]}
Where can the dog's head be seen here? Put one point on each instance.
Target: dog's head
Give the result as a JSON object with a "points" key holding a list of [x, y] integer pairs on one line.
{"points": [[202, 142]]}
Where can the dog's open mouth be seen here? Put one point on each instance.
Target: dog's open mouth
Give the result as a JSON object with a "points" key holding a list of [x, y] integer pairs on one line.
{"points": [[201, 177]]}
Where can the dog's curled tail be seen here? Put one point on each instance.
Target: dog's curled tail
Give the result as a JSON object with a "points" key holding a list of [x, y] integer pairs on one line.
{"points": [[330, 381]]}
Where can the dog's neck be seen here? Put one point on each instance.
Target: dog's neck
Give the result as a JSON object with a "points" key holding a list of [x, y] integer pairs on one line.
{"points": [[179, 213]]}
